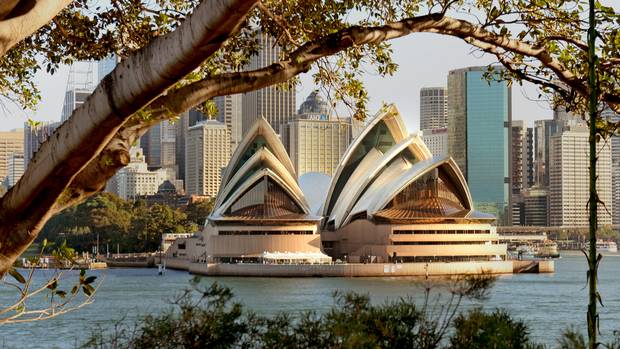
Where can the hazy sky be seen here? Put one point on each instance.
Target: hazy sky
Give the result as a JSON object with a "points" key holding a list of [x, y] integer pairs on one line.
{"points": [[423, 59]]}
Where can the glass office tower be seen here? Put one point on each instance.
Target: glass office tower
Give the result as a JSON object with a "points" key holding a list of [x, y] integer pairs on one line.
{"points": [[479, 116]]}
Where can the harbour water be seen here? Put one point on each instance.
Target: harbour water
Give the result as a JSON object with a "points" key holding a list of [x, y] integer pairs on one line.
{"points": [[549, 303]]}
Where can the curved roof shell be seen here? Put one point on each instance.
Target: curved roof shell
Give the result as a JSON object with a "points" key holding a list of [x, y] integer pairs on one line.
{"points": [[401, 174], [384, 131], [367, 171], [381, 141], [260, 135], [262, 158], [259, 156], [248, 184]]}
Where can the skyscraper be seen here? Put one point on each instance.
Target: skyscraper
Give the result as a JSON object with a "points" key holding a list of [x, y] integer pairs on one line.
{"points": [[314, 107], [15, 168], [275, 104], [34, 136], [106, 65], [522, 157], [10, 142], [569, 180], [316, 145], [615, 165], [479, 116], [80, 85], [315, 140], [229, 111], [543, 130], [436, 140], [186, 120], [535, 205], [433, 108], [207, 153], [159, 144]]}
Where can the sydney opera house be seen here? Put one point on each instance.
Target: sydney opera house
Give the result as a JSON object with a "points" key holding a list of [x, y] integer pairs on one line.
{"points": [[390, 200], [260, 208]]}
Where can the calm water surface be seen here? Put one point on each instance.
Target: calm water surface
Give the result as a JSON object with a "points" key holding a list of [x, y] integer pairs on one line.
{"points": [[548, 303]]}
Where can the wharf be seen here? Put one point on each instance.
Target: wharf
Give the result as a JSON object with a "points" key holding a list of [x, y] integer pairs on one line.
{"points": [[363, 270]]}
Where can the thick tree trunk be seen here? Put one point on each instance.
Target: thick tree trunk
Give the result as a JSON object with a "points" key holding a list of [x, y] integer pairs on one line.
{"points": [[133, 84], [20, 18]]}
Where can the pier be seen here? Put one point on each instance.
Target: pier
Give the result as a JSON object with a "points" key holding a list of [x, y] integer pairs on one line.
{"points": [[362, 270]]}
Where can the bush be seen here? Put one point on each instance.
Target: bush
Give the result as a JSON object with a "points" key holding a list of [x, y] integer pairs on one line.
{"points": [[209, 318], [479, 330]]}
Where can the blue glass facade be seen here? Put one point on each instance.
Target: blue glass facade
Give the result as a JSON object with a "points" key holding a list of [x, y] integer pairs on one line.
{"points": [[488, 164]]}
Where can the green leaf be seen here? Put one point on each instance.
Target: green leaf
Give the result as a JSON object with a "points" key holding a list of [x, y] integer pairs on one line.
{"points": [[89, 280], [53, 285], [88, 290], [17, 276]]}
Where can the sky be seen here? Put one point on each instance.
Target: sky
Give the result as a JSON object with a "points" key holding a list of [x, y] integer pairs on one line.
{"points": [[424, 60]]}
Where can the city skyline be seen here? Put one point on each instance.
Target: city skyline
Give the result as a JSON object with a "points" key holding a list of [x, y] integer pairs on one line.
{"points": [[424, 67]]}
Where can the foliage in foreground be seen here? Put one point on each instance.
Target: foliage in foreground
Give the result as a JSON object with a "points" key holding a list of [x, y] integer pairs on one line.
{"points": [[43, 301], [209, 318]]}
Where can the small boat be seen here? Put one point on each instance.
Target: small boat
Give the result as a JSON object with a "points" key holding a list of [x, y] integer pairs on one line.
{"points": [[604, 246], [545, 249]]}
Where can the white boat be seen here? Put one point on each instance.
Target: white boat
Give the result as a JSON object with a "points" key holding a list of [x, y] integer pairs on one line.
{"points": [[544, 249], [606, 246]]}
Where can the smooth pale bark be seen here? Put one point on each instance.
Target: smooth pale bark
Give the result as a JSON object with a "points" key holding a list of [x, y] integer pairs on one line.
{"points": [[21, 18], [133, 84]]}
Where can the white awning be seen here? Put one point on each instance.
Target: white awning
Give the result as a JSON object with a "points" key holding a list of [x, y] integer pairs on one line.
{"points": [[312, 257]]}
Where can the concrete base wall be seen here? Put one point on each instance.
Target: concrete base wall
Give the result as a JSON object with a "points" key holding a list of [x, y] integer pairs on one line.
{"points": [[352, 270], [177, 263]]}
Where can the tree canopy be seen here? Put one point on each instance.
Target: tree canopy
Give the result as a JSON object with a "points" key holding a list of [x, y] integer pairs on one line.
{"points": [[130, 226], [179, 54]]}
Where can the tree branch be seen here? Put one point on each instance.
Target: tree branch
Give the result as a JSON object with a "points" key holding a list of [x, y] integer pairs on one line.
{"points": [[6, 7], [94, 177], [26, 207], [24, 18]]}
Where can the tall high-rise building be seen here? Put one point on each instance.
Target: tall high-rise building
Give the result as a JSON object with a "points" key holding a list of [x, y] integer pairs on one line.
{"points": [[106, 65], [615, 165], [522, 157], [186, 120], [436, 140], [535, 205], [34, 136], [569, 180], [15, 168], [159, 144], [80, 85], [433, 108], [10, 142], [543, 130], [316, 145], [479, 117], [207, 148], [561, 114], [276, 105], [229, 111], [314, 107]]}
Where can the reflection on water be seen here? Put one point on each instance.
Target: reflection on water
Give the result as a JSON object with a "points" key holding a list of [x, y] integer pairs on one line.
{"points": [[549, 303]]}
